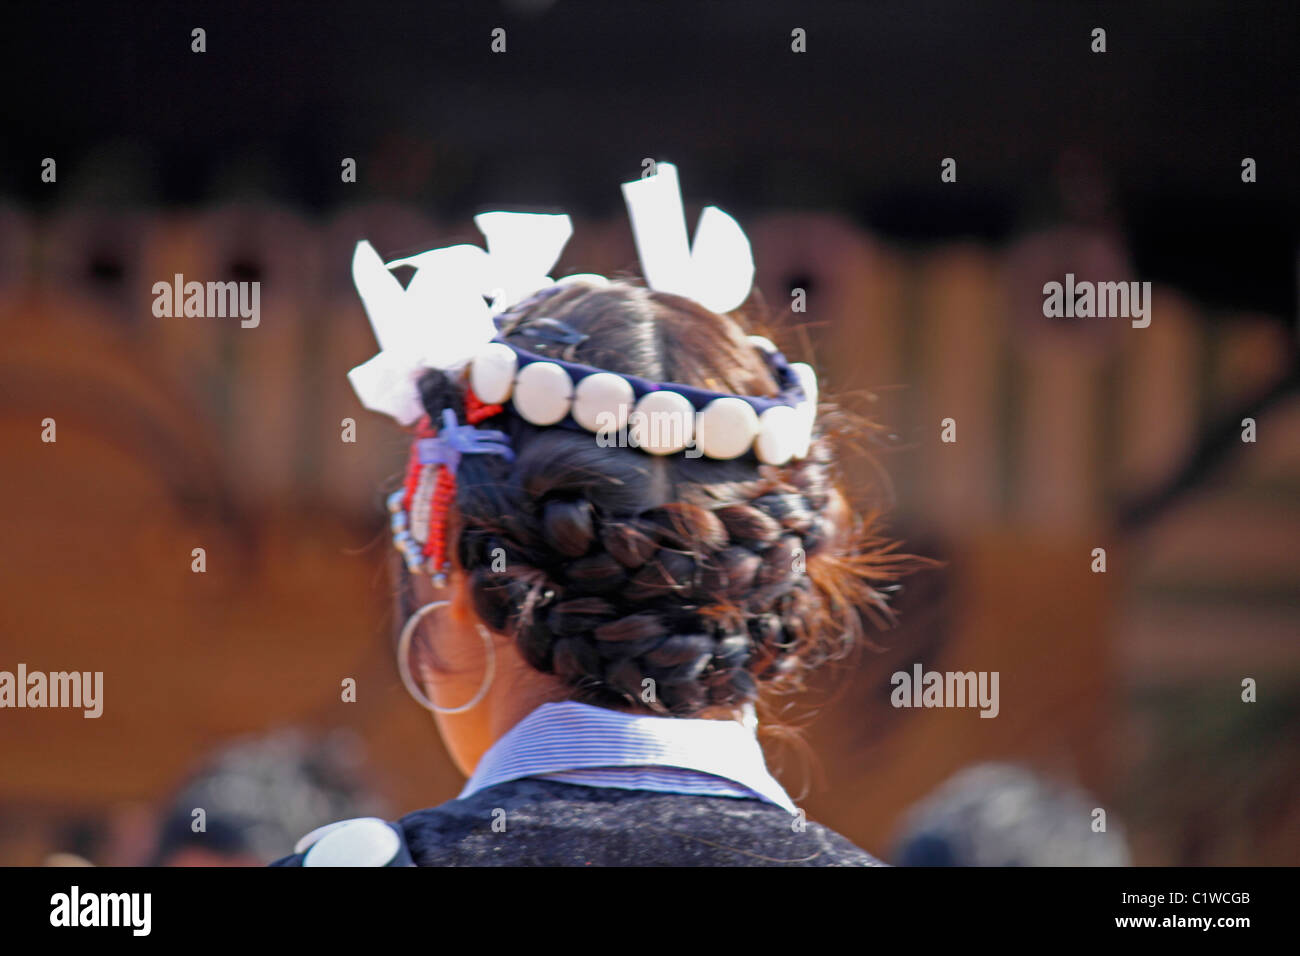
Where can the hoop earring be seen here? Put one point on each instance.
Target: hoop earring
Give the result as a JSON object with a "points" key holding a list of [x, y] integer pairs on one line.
{"points": [[404, 664]]}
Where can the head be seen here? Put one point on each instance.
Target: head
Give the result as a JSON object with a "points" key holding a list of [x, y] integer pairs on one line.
{"points": [[677, 585]]}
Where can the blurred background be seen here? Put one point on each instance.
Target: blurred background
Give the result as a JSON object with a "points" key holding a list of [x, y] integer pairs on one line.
{"points": [[1120, 690]]}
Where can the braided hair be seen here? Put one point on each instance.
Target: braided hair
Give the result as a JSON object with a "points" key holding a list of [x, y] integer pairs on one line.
{"points": [[669, 584]]}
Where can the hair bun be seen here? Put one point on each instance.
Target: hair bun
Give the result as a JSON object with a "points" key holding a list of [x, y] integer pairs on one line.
{"points": [[569, 526], [629, 545], [612, 568]]}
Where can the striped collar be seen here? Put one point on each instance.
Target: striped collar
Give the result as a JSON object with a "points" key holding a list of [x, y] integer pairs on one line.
{"points": [[579, 743]]}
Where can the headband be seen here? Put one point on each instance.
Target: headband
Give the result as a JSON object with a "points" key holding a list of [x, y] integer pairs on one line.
{"points": [[657, 417], [448, 315]]}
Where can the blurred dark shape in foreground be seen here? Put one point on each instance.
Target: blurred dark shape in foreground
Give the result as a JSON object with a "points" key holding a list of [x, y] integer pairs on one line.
{"points": [[246, 804], [1003, 815], [259, 795]]}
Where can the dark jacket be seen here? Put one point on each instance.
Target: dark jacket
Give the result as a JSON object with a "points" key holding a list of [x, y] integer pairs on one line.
{"points": [[547, 823]]}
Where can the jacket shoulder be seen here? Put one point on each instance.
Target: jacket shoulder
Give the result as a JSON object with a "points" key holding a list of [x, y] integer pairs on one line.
{"points": [[536, 822]]}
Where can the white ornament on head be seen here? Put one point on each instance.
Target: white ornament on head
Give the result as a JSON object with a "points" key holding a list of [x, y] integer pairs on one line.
{"points": [[443, 319], [717, 270]]}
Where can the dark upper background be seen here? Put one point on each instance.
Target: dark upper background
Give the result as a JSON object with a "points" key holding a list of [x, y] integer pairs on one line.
{"points": [[859, 124]]}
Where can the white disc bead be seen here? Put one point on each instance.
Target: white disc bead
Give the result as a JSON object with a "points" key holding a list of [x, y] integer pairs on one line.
{"points": [[726, 428], [808, 407], [602, 402], [781, 429], [543, 393], [493, 373], [808, 379], [662, 423]]}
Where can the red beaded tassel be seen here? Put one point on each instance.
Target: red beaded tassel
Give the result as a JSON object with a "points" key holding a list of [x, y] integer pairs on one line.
{"points": [[435, 546], [423, 429], [444, 489]]}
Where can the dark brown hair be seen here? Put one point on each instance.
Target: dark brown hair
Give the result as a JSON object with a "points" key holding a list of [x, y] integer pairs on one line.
{"points": [[611, 566]]}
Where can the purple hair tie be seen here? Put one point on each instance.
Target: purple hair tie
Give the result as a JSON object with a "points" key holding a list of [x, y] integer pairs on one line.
{"points": [[454, 440]]}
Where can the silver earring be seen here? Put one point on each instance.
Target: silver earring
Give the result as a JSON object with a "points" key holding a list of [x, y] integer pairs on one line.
{"points": [[404, 664]]}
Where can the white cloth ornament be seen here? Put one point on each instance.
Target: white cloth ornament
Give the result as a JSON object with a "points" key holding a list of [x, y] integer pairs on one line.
{"points": [[442, 318], [717, 271]]}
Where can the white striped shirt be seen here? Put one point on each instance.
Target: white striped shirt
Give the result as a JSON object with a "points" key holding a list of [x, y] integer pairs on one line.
{"points": [[578, 743]]}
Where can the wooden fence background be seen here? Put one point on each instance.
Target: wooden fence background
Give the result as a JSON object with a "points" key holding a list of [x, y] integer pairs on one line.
{"points": [[177, 433]]}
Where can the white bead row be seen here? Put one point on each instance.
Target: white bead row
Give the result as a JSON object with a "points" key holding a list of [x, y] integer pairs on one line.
{"points": [[661, 423]]}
